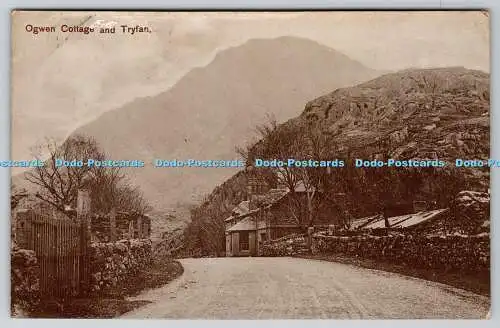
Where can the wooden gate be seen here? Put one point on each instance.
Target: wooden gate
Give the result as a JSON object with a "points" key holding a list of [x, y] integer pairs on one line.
{"points": [[61, 250]]}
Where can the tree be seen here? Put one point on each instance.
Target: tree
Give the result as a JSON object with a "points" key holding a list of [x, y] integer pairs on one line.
{"points": [[315, 146], [301, 142], [129, 198], [206, 229], [58, 184]]}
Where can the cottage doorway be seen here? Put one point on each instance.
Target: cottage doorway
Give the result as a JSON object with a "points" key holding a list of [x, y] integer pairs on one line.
{"points": [[244, 241]]}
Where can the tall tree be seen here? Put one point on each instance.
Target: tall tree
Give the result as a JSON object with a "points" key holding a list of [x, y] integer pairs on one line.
{"points": [[58, 184]]}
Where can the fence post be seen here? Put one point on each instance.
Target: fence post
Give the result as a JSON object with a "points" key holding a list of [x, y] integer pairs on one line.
{"points": [[83, 217], [310, 232], [139, 227], [24, 227], [112, 224], [131, 229]]}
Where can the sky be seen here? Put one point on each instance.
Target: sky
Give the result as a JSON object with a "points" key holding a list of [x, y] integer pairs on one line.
{"points": [[61, 81]]}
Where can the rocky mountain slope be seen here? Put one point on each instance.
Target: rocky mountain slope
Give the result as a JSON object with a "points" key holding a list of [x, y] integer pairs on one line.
{"points": [[442, 112]]}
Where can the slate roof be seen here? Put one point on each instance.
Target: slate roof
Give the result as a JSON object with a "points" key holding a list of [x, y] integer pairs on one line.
{"points": [[403, 221], [361, 222], [269, 198], [240, 209], [246, 224]]}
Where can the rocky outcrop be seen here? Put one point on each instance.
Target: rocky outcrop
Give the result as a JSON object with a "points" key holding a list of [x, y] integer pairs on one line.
{"points": [[416, 113], [469, 215], [25, 287], [112, 264], [473, 205]]}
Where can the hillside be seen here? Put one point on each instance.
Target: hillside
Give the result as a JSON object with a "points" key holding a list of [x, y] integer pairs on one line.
{"points": [[214, 108], [417, 113]]}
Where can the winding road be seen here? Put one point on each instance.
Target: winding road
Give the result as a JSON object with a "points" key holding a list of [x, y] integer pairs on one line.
{"points": [[293, 288]]}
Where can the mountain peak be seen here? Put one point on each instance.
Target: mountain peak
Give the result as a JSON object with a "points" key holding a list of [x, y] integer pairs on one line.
{"points": [[303, 49], [214, 108]]}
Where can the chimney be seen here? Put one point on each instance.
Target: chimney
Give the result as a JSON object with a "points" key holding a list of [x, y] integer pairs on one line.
{"points": [[256, 185]]}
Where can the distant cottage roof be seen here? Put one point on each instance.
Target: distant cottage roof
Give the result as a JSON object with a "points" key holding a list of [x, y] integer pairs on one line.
{"points": [[240, 209], [246, 224], [269, 198]]}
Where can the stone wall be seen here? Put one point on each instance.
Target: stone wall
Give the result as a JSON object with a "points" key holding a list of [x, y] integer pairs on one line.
{"points": [[25, 287], [448, 252], [286, 246], [122, 225], [452, 252], [112, 264]]}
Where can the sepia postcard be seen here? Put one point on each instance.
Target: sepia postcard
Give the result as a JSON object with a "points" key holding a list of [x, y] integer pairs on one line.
{"points": [[250, 165]]}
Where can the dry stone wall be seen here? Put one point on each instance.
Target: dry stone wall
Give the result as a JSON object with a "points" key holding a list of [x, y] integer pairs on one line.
{"points": [[112, 264], [448, 252], [25, 284], [451, 252], [286, 246]]}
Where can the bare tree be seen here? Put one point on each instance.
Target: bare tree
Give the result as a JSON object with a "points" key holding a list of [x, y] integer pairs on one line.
{"points": [[58, 184], [303, 142], [210, 220], [130, 198], [314, 146]]}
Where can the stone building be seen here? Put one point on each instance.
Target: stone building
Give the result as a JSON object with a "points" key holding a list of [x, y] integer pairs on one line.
{"points": [[269, 213]]}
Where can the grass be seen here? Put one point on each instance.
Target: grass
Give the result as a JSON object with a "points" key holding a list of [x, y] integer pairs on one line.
{"points": [[114, 303], [476, 282], [158, 274]]}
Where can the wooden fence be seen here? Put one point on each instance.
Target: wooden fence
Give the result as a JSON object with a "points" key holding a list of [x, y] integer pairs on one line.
{"points": [[61, 247]]}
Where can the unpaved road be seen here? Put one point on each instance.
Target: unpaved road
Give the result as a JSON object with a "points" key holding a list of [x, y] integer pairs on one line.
{"points": [[292, 288]]}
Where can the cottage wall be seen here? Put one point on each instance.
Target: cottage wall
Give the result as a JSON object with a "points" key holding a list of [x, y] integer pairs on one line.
{"points": [[229, 250], [252, 243], [235, 239]]}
